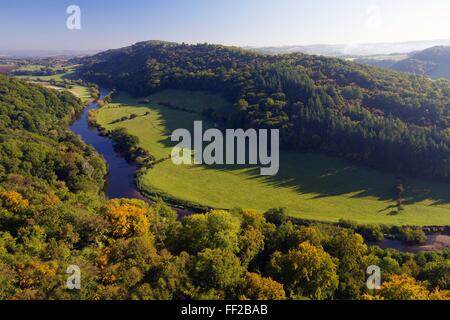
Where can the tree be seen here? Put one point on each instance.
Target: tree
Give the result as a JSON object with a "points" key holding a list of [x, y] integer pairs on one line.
{"points": [[440, 295], [276, 216], [125, 142], [35, 279], [371, 232], [251, 243], [127, 219], [164, 224], [170, 279], [402, 287], [438, 274], [390, 266], [252, 218], [311, 234], [306, 271], [217, 229], [256, 287], [14, 202], [217, 269], [285, 237], [412, 235], [350, 249]]}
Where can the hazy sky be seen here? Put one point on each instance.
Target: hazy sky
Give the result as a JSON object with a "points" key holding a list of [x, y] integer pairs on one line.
{"points": [[41, 24]]}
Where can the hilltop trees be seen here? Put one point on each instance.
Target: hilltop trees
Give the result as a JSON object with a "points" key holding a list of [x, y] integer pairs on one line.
{"points": [[385, 119]]}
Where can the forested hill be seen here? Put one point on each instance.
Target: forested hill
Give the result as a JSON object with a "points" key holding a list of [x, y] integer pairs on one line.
{"points": [[384, 118], [435, 54], [42, 159], [434, 62]]}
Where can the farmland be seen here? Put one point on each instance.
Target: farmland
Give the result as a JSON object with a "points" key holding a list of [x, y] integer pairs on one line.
{"points": [[68, 73], [57, 81]]}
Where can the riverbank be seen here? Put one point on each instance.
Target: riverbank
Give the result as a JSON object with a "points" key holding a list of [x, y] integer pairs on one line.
{"points": [[121, 181]]}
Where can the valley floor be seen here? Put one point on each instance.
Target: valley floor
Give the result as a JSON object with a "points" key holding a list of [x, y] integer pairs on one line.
{"points": [[309, 186]]}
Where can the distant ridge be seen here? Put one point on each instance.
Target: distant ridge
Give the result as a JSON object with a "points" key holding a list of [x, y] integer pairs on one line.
{"points": [[46, 53], [363, 49], [433, 62]]}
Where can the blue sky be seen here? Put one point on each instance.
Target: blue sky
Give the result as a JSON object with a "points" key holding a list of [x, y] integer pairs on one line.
{"points": [[41, 24]]}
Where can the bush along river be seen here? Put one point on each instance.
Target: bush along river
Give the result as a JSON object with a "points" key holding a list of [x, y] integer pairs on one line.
{"points": [[120, 182]]}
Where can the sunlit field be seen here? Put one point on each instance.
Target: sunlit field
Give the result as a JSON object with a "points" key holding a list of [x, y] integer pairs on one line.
{"points": [[309, 186]]}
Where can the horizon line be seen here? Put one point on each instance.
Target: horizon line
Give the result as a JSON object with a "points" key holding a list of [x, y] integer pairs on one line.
{"points": [[227, 45]]}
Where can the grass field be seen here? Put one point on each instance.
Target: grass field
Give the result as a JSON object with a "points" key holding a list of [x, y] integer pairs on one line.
{"points": [[57, 77], [31, 67], [81, 92], [309, 186]]}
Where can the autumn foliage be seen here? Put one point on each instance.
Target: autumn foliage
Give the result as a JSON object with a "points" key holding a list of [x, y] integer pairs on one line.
{"points": [[127, 219], [14, 202], [404, 287]]}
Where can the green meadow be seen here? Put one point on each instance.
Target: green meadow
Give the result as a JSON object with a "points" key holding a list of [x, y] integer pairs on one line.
{"points": [[69, 72], [81, 92], [52, 81], [309, 186]]}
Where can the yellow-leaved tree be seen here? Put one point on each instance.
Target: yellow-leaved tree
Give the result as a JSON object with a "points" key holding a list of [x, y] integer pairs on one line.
{"points": [[13, 201], [127, 218], [404, 287]]}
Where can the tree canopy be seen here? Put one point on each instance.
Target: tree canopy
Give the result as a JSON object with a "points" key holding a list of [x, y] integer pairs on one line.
{"points": [[386, 119]]}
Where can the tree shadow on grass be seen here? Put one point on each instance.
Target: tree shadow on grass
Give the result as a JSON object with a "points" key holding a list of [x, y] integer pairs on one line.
{"points": [[319, 175]]}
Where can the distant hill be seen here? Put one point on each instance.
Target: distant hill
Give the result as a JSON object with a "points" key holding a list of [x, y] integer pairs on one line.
{"points": [[434, 62], [365, 49], [26, 54], [381, 61]]}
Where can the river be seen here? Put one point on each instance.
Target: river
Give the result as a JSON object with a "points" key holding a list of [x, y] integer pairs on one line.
{"points": [[120, 182], [435, 242]]}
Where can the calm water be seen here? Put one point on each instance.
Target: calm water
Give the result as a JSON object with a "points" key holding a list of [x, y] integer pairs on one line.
{"points": [[435, 242], [120, 181], [121, 177]]}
